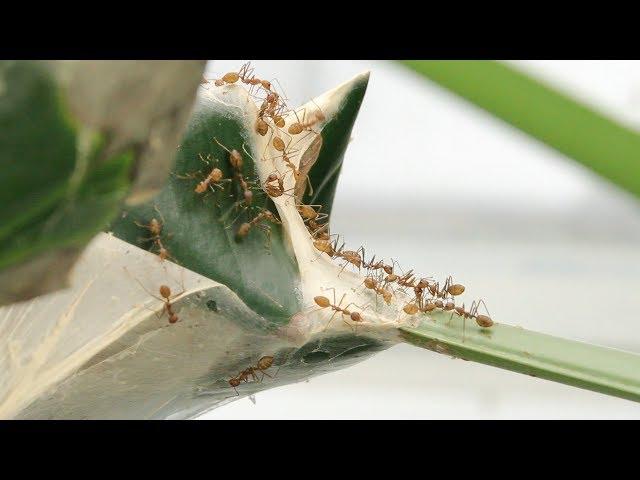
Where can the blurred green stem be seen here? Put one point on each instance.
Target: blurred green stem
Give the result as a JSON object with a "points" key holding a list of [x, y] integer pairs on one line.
{"points": [[573, 129]]}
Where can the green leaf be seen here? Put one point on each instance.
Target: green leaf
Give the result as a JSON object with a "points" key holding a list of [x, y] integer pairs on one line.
{"points": [[576, 130], [336, 135], [199, 230], [59, 192], [37, 144], [601, 369]]}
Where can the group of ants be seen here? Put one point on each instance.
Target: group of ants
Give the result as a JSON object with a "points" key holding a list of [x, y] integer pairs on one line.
{"points": [[381, 278]]}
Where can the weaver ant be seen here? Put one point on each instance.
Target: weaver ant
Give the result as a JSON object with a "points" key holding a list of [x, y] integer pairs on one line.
{"points": [[165, 296], [263, 364], [155, 228], [324, 302], [246, 227], [235, 159]]}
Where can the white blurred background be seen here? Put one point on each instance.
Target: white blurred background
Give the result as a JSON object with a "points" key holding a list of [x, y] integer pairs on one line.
{"points": [[445, 188]]}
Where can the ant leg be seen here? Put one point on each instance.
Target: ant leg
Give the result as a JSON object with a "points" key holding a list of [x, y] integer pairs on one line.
{"points": [[224, 217], [158, 315], [244, 149], [330, 319], [141, 225], [464, 327], [485, 306], [181, 284], [267, 232], [143, 287], [343, 267], [282, 89], [145, 239], [334, 294], [203, 159], [155, 207], [362, 309], [221, 145], [348, 324]]}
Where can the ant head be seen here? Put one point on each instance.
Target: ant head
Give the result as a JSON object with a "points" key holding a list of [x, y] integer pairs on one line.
{"points": [[234, 382], [173, 318]]}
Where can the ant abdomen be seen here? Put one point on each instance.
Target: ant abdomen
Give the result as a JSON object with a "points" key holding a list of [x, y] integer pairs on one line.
{"points": [[484, 321], [265, 362], [165, 291], [322, 302]]}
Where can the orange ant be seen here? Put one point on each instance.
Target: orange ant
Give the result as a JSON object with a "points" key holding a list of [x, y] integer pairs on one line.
{"points": [[244, 73], [286, 159], [311, 217], [165, 297], [324, 246], [228, 78], [373, 265], [302, 125], [263, 364], [451, 288], [235, 159], [324, 302], [407, 280], [213, 179], [350, 256], [372, 284], [155, 228], [277, 189], [245, 228], [290, 164], [483, 321]]}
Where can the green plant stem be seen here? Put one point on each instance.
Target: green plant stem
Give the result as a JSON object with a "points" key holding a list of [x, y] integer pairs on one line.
{"points": [[604, 370], [581, 133]]}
